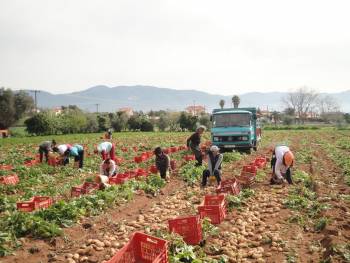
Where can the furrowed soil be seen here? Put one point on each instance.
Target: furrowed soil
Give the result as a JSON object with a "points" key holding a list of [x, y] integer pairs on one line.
{"points": [[259, 231]]}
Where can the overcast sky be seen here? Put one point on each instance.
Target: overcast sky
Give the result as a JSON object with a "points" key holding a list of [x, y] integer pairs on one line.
{"points": [[221, 47]]}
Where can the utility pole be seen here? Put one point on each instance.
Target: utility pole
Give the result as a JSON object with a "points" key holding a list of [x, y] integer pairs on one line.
{"points": [[35, 99], [97, 104]]}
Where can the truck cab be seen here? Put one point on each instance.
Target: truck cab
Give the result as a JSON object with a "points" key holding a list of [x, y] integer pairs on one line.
{"points": [[235, 128]]}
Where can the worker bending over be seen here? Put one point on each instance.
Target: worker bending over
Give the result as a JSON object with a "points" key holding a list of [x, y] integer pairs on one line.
{"points": [[44, 148], [108, 169], [77, 151], [193, 143], [214, 165], [61, 150], [106, 149], [281, 162], [162, 163]]}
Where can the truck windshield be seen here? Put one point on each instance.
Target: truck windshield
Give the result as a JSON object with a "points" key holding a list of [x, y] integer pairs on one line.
{"points": [[234, 119]]}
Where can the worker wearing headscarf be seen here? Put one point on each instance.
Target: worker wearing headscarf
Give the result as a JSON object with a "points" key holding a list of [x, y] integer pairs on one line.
{"points": [[214, 165]]}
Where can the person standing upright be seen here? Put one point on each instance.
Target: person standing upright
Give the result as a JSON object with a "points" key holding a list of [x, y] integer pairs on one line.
{"points": [[193, 143]]}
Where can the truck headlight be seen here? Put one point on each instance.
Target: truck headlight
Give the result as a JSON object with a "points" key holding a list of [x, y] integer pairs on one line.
{"points": [[215, 139]]}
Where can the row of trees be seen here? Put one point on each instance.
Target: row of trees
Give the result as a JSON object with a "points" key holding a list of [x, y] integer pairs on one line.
{"points": [[13, 106], [302, 103], [307, 104], [74, 120]]}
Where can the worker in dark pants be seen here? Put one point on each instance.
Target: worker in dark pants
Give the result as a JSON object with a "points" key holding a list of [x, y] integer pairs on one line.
{"points": [[77, 151], [45, 148], [162, 163], [214, 165], [193, 143], [281, 162]]}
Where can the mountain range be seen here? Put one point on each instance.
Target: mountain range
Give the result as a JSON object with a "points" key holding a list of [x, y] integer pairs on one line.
{"points": [[110, 99]]}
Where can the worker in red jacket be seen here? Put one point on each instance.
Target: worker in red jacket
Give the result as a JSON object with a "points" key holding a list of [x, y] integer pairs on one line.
{"points": [[107, 150]]}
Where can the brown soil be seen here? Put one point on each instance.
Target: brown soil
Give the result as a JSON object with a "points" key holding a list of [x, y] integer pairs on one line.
{"points": [[305, 245]]}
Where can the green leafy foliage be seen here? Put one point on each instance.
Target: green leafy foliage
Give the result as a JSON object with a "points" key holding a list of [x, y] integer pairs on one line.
{"points": [[232, 156], [190, 173], [321, 224], [237, 201]]}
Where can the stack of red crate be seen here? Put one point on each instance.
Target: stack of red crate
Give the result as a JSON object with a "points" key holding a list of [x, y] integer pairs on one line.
{"points": [[213, 207]]}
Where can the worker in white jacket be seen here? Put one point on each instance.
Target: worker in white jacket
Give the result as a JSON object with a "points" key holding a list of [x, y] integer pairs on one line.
{"points": [[281, 162], [106, 149], [214, 165], [108, 169]]}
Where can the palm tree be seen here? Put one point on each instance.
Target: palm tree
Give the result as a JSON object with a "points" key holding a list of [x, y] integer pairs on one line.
{"points": [[222, 104], [236, 100]]}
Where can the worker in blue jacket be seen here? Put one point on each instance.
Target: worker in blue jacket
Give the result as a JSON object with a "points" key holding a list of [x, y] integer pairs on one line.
{"points": [[76, 151]]}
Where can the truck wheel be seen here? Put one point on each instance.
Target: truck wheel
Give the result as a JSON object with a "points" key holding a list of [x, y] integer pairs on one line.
{"points": [[248, 150]]}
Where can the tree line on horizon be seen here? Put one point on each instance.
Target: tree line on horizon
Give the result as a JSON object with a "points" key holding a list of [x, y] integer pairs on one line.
{"points": [[299, 104], [19, 107]]}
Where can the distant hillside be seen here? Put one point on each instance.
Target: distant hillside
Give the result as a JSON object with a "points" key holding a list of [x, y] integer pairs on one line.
{"points": [[148, 97]]}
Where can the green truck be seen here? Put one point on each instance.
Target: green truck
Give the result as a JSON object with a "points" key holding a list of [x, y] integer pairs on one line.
{"points": [[235, 129]]}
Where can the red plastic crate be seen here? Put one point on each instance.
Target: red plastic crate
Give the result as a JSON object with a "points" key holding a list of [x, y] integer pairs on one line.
{"points": [[213, 207], [189, 158], [153, 169], [215, 213], [9, 180], [150, 154], [140, 172], [85, 188], [189, 228], [6, 167], [247, 176], [174, 149], [260, 162], [142, 248], [54, 161], [249, 169], [131, 174], [137, 159], [30, 163], [119, 179], [230, 186], [167, 150], [214, 200], [144, 156], [37, 202]]}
